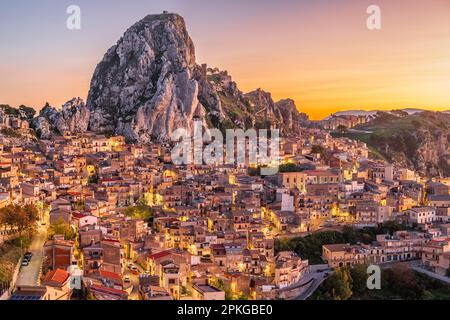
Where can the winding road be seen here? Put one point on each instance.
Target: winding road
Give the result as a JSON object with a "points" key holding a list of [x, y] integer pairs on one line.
{"points": [[317, 279]]}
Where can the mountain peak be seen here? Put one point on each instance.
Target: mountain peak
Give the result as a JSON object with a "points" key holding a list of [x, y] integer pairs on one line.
{"points": [[153, 20], [149, 84], [147, 73]]}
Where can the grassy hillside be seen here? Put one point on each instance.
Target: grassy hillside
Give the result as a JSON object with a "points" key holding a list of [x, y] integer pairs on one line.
{"points": [[419, 141]]}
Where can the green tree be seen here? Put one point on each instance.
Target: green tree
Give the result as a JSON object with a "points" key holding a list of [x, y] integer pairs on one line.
{"points": [[359, 279], [31, 212], [343, 290], [317, 149], [337, 287], [7, 217], [80, 205], [242, 296], [321, 151], [310, 247], [290, 167], [391, 227], [91, 296], [20, 217], [342, 129], [140, 211], [402, 281], [62, 228], [93, 179]]}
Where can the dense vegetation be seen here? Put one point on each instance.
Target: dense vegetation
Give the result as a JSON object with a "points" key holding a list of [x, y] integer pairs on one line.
{"points": [[62, 228], [21, 219], [310, 246], [219, 283], [140, 211], [10, 253], [319, 149], [291, 167], [11, 133], [398, 282], [23, 112], [18, 217]]}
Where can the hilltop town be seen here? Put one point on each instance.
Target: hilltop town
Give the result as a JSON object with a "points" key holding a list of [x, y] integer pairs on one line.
{"points": [[93, 206], [122, 222]]}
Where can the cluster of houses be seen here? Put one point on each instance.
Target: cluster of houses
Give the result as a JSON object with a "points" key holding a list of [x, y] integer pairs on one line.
{"points": [[348, 121], [8, 121], [431, 249], [210, 231]]}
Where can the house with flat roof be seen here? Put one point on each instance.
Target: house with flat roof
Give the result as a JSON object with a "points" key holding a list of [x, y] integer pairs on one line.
{"points": [[207, 292]]}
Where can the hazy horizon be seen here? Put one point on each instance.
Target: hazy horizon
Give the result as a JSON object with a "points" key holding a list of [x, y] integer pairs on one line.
{"points": [[321, 55]]}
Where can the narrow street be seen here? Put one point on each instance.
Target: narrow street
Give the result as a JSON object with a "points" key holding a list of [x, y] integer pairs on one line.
{"points": [[133, 286], [29, 275]]}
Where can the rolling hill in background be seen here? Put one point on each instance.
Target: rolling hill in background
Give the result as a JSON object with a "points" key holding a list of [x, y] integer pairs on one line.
{"points": [[419, 141]]}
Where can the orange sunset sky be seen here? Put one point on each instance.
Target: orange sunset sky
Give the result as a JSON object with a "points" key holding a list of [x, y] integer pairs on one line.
{"points": [[319, 53]]}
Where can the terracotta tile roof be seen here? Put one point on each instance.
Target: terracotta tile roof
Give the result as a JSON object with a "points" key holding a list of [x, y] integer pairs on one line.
{"points": [[110, 275], [57, 276], [159, 255], [78, 215], [102, 289], [110, 240]]}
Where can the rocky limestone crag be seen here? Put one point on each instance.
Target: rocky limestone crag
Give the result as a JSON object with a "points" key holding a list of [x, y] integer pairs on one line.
{"points": [[429, 152], [292, 119], [73, 117], [144, 86], [149, 84]]}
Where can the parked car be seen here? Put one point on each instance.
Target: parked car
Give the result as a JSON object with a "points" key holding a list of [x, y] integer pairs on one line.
{"points": [[126, 279], [25, 262], [130, 265], [28, 255]]}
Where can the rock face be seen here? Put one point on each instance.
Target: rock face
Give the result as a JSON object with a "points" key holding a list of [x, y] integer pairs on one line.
{"points": [[418, 141], [73, 117], [144, 86], [292, 119], [149, 84]]}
